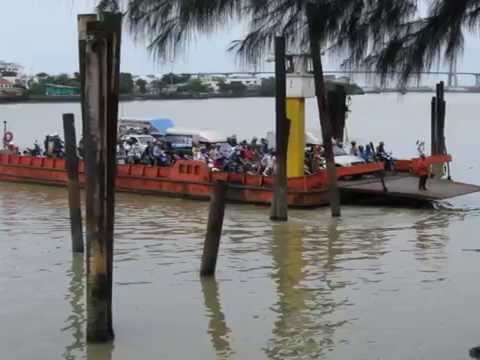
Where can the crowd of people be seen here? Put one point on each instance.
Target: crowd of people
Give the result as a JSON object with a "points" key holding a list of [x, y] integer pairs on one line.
{"points": [[369, 153], [253, 157], [53, 146]]}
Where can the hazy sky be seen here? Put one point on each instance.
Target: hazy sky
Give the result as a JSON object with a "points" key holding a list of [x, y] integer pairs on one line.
{"points": [[42, 36]]}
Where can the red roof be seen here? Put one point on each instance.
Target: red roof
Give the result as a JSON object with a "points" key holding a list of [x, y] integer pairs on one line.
{"points": [[5, 82]]}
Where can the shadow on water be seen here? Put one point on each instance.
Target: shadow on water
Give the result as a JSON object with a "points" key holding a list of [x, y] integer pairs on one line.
{"points": [[306, 321], [217, 328]]}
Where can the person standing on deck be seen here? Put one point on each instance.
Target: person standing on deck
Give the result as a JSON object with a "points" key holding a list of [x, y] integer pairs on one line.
{"points": [[423, 170], [353, 148]]}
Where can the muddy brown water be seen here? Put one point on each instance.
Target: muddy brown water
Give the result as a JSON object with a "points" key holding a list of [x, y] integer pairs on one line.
{"points": [[376, 284]]}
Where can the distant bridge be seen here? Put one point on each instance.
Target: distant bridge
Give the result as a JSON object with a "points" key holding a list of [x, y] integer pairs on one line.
{"points": [[452, 75]]}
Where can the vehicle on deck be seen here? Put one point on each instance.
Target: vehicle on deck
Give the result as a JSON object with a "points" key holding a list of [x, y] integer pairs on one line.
{"points": [[142, 140], [342, 158], [182, 140]]}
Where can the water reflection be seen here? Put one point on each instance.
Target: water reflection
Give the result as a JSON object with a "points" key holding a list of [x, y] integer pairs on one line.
{"points": [[301, 330], [217, 327], [431, 239], [75, 297], [100, 351]]}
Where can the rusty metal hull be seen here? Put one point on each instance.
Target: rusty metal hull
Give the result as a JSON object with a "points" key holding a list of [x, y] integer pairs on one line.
{"points": [[188, 179]]}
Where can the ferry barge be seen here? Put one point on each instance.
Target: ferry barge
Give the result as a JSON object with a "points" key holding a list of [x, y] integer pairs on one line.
{"points": [[193, 179]]}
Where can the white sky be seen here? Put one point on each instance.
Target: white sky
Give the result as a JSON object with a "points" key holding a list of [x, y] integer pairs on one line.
{"points": [[42, 36]]}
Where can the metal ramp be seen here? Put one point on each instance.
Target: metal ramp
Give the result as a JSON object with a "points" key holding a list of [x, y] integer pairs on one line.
{"points": [[405, 187]]}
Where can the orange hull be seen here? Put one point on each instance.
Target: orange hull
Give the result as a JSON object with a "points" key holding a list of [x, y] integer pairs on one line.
{"points": [[411, 165], [190, 179]]}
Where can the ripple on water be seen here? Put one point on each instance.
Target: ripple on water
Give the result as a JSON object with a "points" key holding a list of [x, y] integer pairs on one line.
{"points": [[308, 283]]}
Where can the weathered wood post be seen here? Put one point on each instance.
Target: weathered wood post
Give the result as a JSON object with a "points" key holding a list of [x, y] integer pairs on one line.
{"points": [[4, 132], [279, 206], [74, 202], [337, 98], [323, 109], [438, 127], [214, 229], [83, 20], [100, 96], [433, 126]]}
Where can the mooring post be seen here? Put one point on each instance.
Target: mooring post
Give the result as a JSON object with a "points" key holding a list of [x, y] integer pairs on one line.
{"points": [[74, 202], [438, 124], [100, 97], [82, 21], [4, 132], [323, 109], [279, 206], [337, 98], [214, 229], [433, 126]]}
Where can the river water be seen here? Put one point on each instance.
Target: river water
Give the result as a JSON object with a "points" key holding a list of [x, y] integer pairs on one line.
{"points": [[376, 284]]}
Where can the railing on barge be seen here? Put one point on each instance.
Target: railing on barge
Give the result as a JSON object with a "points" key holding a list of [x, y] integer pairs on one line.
{"points": [[182, 170]]}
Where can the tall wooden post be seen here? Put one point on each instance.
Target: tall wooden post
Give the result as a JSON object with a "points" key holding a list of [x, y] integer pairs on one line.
{"points": [[323, 109], [214, 229], [100, 97], [337, 98], [83, 20], [433, 126], [74, 202], [279, 206], [4, 132], [441, 119], [438, 127]]}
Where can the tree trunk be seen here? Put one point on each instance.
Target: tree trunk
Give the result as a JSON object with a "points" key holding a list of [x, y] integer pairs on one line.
{"points": [[325, 121], [279, 207]]}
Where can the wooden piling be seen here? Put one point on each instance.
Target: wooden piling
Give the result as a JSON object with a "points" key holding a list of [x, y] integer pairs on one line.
{"points": [[433, 126], [100, 96], [279, 206], [438, 127], [214, 229], [82, 21], [74, 202], [337, 98], [4, 132], [323, 109]]}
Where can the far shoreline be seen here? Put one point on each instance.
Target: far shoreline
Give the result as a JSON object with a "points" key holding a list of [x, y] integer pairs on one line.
{"points": [[129, 98], [123, 98]]}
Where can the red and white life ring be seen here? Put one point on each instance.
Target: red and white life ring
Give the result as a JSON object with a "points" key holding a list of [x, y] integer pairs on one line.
{"points": [[8, 137]]}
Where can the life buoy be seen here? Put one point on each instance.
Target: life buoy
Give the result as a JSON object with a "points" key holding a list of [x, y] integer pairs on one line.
{"points": [[8, 137]]}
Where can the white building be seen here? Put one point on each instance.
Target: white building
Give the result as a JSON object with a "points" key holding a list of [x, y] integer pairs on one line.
{"points": [[249, 81], [10, 68], [13, 73]]}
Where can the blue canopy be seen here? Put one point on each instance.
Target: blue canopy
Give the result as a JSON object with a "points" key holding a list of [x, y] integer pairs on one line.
{"points": [[161, 125]]}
